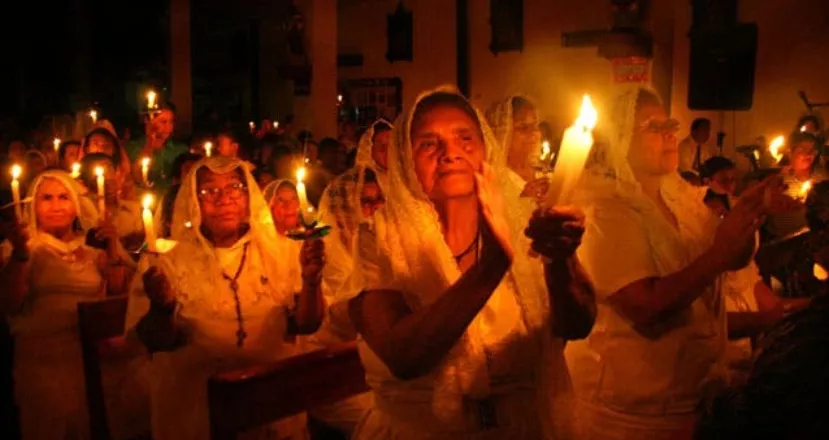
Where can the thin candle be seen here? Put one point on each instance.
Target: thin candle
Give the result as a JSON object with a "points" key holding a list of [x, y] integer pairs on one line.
{"points": [[149, 227], [16, 171], [76, 170], [151, 97], [208, 148], [575, 147], [304, 207], [99, 174], [56, 144], [145, 170]]}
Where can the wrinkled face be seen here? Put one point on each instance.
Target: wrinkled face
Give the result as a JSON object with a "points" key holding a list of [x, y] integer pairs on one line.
{"points": [[285, 208], [227, 147], [653, 150], [223, 199], [724, 182], [803, 156], [371, 199], [99, 143], [526, 136], [72, 154], [380, 149], [53, 206], [164, 123], [448, 149]]}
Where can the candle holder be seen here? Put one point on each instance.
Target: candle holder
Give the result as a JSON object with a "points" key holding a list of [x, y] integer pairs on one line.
{"points": [[313, 230], [162, 246]]}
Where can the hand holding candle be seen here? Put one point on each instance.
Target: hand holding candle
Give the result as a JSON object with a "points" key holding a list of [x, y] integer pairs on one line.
{"points": [[305, 208], [16, 171], [147, 217], [575, 147], [99, 174]]}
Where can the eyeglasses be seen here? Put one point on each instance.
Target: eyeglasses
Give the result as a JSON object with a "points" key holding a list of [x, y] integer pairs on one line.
{"points": [[234, 191], [666, 126]]}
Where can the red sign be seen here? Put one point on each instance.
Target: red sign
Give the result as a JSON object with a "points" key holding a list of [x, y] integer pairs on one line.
{"points": [[631, 70]]}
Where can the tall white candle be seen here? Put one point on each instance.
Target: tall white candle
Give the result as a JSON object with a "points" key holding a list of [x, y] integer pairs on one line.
{"points": [[56, 144], [102, 207], [145, 170], [575, 147], [208, 148], [151, 97], [305, 208], [16, 171], [149, 227]]}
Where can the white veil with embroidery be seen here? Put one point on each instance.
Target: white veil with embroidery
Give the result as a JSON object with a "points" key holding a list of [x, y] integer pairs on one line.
{"points": [[87, 214], [404, 251]]}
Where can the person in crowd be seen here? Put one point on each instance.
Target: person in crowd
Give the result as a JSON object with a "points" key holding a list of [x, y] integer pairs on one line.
{"points": [[181, 167], [157, 144], [34, 162], [696, 148], [331, 156], [227, 144], [801, 173], [785, 395], [751, 305], [102, 139], [50, 272], [654, 252], [227, 296], [461, 332], [16, 150], [69, 153], [283, 201]]}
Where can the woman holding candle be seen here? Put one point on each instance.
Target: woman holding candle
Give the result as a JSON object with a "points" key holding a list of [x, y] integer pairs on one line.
{"points": [[656, 255], [460, 335], [103, 140], [229, 295], [50, 272]]}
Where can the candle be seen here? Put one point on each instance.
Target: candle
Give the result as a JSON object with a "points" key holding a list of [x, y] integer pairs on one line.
{"points": [[802, 128], [275, 125], [147, 217], [94, 116], [545, 151], [339, 99], [99, 173], [805, 188], [302, 195], [145, 170], [56, 144], [208, 148], [774, 148], [76, 170], [17, 170], [575, 146], [252, 126], [151, 96]]}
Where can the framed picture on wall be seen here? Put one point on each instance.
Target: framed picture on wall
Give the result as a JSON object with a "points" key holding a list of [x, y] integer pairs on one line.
{"points": [[399, 34], [506, 20], [368, 99]]}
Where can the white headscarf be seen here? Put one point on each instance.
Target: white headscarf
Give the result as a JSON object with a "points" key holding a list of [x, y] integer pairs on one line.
{"points": [[87, 214], [406, 252], [499, 116]]}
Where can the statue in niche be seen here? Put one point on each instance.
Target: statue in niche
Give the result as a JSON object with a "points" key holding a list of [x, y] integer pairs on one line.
{"points": [[506, 20], [399, 34]]}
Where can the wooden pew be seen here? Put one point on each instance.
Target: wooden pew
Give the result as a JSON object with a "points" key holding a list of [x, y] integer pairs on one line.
{"points": [[99, 322], [245, 399]]}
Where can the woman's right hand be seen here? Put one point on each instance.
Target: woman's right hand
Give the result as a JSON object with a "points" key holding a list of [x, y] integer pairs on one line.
{"points": [[737, 232], [157, 287]]}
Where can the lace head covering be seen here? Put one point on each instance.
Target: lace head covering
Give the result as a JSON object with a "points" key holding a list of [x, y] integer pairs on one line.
{"points": [[269, 191], [87, 214], [499, 116], [405, 251]]}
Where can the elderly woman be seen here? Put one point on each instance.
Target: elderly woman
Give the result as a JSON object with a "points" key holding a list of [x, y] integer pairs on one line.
{"points": [[656, 255], [227, 296], [460, 335], [283, 201], [46, 278]]}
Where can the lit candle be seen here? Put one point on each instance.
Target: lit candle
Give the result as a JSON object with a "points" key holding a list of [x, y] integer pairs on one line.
{"points": [[99, 173], [275, 125], [56, 144], [805, 188], [252, 126], [17, 170], [774, 148], [76, 170], [151, 97], [802, 128], [208, 148], [575, 147], [545, 151], [147, 217], [94, 116], [305, 208], [339, 99], [145, 170]]}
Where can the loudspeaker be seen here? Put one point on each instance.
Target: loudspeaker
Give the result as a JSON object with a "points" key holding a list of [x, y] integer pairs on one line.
{"points": [[721, 76]]}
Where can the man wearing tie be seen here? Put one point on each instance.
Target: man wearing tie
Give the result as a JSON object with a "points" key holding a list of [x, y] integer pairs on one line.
{"points": [[693, 150]]}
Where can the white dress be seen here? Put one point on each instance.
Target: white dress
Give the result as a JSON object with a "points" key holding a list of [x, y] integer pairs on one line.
{"points": [[207, 315], [48, 368]]}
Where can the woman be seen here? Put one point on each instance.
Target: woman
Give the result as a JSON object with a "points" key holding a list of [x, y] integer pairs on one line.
{"points": [[516, 126], [227, 296], [102, 139], [69, 153], [46, 278], [282, 198], [460, 337], [655, 254]]}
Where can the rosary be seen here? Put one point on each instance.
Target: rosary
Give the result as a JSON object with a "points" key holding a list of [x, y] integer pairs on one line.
{"points": [[234, 286]]}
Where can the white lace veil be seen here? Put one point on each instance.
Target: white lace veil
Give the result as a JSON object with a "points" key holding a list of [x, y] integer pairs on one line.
{"points": [[87, 214], [499, 116], [404, 251]]}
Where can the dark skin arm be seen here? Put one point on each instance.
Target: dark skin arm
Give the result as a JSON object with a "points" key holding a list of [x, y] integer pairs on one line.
{"points": [[310, 306], [771, 309], [158, 329], [413, 342]]}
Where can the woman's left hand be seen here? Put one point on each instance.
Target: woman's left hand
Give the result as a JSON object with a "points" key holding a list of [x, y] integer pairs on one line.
{"points": [[556, 232], [312, 259]]}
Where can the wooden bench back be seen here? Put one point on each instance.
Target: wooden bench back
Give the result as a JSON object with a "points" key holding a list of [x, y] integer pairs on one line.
{"points": [[245, 399], [97, 321]]}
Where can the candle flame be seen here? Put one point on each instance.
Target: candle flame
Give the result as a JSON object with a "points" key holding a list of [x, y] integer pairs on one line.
{"points": [[805, 188], [99, 171], [151, 96], [93, 115], [56, 143], [251, 124], [588, 116], [339, 98], [76, 169], [819, 272], [147, 201], [545, 150], [145, 162], [208, 148], [17, 170], [300, 175], [275, 124], [774, 147], [802, 128], [756, 155]]}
